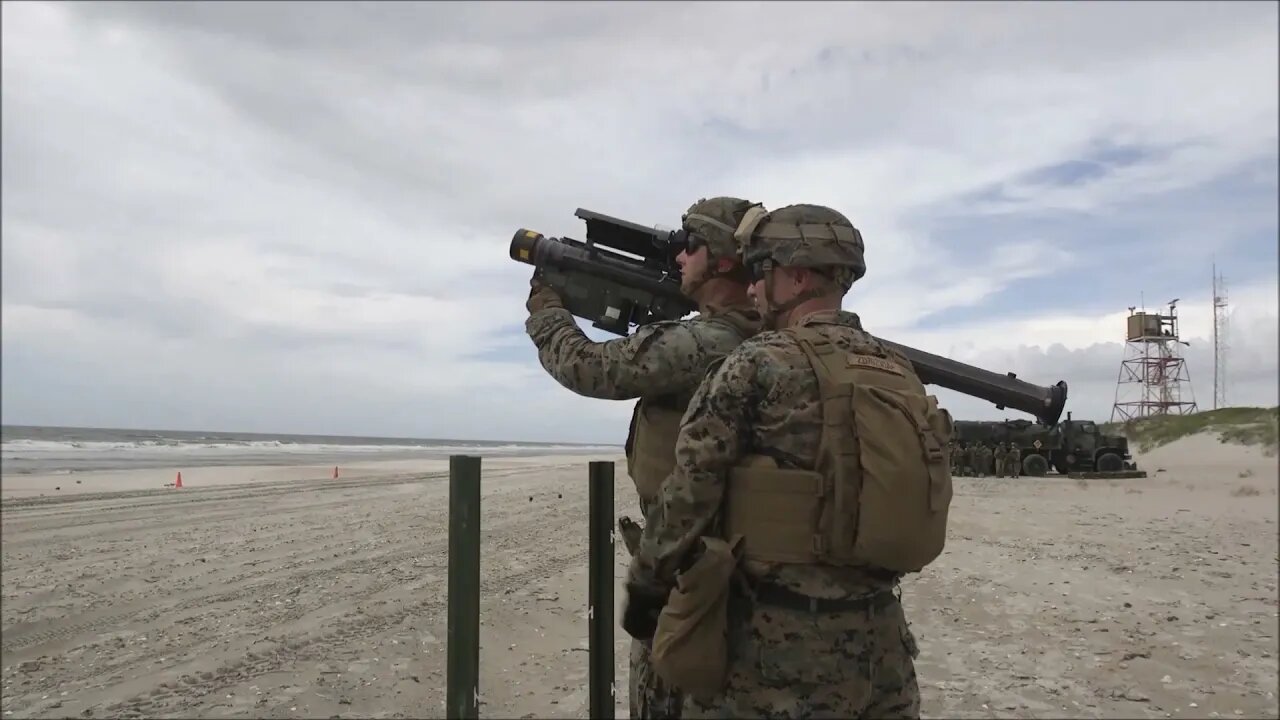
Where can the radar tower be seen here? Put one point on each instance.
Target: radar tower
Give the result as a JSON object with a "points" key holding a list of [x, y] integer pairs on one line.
{"points": [[1153, 371]]}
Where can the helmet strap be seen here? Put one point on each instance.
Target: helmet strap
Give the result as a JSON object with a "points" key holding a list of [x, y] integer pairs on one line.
{"points": [[710, 271], [773, 311]]}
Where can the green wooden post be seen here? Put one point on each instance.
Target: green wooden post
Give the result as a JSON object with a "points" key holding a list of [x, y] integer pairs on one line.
{"points": [[600, 550], [463, 696]]}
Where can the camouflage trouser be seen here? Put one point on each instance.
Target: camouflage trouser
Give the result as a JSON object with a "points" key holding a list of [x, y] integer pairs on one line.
{"points": [[791, 664], [999, 467], [1014, 466], [650, 696]]}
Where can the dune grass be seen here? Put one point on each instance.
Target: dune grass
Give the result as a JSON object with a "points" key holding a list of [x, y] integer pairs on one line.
{"points": [[1249, 426]]}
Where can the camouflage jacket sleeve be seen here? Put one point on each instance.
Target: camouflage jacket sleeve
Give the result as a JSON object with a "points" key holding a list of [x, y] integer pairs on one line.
{"points": [[657, 359], [715, 434]]}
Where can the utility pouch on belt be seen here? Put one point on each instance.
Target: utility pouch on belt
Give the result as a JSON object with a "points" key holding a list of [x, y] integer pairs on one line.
{"points": [[691, 646]]}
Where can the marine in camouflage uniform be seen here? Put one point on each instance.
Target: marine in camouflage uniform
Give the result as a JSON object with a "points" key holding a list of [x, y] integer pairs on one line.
{"points": [[661, 364], [999, 458], [957, 458], [1013, 461], [810, 640]]}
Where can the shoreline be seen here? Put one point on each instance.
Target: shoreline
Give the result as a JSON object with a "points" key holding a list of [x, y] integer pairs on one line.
{"points": [[42, 450], [201, 475], [29, 431]]}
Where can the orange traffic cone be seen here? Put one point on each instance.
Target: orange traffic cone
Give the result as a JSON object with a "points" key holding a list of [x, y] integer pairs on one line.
{"points": [[335, 472], [178, 483]]}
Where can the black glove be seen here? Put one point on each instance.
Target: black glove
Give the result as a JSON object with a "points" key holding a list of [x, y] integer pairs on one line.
{"points": [[640, 615], [541, 297], [631, 533]]}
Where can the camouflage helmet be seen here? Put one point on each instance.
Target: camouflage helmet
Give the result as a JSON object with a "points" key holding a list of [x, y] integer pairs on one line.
{"points": [[714, 220], [809, 236]]}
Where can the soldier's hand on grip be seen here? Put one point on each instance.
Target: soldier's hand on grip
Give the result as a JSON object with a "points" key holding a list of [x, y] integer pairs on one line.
{"points": [[631, 532], [542, 297], [640, 615]]}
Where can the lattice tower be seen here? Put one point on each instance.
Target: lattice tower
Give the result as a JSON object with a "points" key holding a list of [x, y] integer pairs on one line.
{"points": [[1153, 374]]}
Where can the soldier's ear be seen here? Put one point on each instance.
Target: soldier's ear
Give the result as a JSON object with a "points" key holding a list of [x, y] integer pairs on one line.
{"points": [[808, 279]]}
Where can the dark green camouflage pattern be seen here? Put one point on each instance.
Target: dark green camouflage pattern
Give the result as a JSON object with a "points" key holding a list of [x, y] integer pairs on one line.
{"points": [[669, 358], [763, 399], [659, 359], [648, 695], [792, 664], [844, 260], [725, 210]]}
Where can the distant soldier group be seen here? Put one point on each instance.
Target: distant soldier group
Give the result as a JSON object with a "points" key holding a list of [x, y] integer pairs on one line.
{"points": [[976, 459]]}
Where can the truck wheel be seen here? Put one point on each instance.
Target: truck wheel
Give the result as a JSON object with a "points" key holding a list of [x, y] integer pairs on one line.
{"points": [[1035, 465], [1110, 462]]}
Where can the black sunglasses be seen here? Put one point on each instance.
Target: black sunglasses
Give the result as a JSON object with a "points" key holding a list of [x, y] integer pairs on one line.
{"points": [[689, 242]]}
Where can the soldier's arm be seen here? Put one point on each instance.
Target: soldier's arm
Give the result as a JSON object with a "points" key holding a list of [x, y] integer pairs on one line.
{"points": [[713, 436], [657, 359]]}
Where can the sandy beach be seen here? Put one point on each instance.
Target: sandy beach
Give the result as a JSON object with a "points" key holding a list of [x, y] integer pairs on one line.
{"points": [[281, 592]]}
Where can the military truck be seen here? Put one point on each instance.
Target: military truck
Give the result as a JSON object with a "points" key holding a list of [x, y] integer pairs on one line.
{"points": [[1071, 447]]}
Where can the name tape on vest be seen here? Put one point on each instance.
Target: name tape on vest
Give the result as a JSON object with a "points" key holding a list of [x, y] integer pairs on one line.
{"points": [[868, 361]]}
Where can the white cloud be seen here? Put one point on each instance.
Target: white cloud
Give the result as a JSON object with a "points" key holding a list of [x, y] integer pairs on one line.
{"points": [[1087, 351], [265, 217]]}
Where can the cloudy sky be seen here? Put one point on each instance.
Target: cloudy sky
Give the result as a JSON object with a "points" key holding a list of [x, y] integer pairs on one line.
{"points": [[295, 217]]}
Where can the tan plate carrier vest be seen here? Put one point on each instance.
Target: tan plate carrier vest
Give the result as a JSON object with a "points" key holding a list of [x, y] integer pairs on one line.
{"points": [[655, 424], [881, 490]]}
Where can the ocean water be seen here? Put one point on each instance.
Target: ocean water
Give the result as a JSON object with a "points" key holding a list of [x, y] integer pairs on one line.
{"points": [[31, 449]]}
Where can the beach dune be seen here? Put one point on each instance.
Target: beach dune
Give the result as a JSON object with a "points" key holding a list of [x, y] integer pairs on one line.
{"points": [[281, 592]]}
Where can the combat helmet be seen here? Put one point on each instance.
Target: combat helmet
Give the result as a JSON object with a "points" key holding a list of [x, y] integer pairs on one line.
{"points": [[713, 221], [809, 236]]}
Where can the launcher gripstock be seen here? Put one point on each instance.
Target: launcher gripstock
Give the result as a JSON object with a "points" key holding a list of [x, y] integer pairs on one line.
{"points": [[625, 274]]}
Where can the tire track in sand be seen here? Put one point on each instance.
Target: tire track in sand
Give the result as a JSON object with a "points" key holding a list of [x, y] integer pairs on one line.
{"points": [[21, 635], [171, 696]]}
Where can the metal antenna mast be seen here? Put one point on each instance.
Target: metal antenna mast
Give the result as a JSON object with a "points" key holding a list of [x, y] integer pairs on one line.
{"points": [[1220, 340]]}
